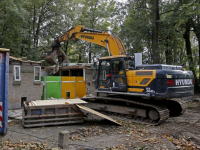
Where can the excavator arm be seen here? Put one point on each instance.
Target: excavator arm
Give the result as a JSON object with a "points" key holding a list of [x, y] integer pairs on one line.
{"points": [[105, 39]]}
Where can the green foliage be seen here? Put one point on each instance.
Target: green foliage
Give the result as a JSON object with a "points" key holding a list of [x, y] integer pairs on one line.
{"points": [[12, 17], [94, 14], [29, 27]]}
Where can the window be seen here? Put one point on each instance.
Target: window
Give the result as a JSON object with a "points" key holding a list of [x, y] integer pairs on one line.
{"points": [[23, 99], [67, 94], [104, 69], [117, 67], [17, 73], [37, 75]]}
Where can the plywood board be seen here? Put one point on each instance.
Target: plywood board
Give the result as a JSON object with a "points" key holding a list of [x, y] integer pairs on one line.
{"points": [[56, 102], [75, 101], [97, 113]]}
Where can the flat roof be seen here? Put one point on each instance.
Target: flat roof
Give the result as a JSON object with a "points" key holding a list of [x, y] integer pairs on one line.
{"points": [[4, 50], [61, 68]]}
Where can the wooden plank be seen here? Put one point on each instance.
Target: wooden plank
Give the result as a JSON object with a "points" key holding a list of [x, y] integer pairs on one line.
{"points": [[75, 101], [52, 115], [48, 106], [52, 123], [33, 103], [53, 120], [97, 113], [56, 102]]}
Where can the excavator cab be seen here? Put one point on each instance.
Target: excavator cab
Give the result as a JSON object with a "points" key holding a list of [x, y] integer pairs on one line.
{"points": [[112, 74]]}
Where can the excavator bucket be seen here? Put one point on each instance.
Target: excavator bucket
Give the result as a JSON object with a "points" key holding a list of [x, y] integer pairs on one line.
{"points": [[55, 56]]}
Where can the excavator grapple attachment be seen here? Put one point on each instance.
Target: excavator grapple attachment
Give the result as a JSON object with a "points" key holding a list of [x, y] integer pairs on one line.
{"points": [[56, 55]]}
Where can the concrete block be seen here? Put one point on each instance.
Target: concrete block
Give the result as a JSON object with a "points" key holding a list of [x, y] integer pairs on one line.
{"points": [[14, 115], [18, 111], [63, 140], [18, 118]]}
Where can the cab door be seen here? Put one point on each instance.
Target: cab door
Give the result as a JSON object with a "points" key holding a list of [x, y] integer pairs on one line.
{"points": [[118, 75]]}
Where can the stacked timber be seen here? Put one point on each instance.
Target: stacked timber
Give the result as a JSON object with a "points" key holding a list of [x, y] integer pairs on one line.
{"points": [[55, 102], [52, 112]]}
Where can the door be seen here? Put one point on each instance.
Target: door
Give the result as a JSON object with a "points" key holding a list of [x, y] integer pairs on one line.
{"points": [[118, 75]]}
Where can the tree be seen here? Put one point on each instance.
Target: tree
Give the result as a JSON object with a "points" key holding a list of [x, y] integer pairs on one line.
{"points": [[136, 31], [187, 20], [96, 14], [46, 19], [12, 20]]}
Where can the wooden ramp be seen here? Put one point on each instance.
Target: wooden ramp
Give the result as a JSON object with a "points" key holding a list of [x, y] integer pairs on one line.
{"points": [[97, 113]]}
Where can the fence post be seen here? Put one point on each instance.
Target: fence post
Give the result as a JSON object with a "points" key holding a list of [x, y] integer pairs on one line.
{"points": [[63, 140]]}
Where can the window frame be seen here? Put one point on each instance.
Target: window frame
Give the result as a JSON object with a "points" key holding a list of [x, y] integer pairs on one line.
{"points": [[14, 72], [39, 74]]}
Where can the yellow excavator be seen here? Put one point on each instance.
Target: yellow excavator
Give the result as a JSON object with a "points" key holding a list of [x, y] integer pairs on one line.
{"points": [[143, 93]]}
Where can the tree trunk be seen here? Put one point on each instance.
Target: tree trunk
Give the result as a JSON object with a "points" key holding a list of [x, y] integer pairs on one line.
{"points": [[34, 20], [196, 27], [79, 58], [90, 53], [66, 47], [156, 58], [186, 36], [199, 55], [168, 52]]}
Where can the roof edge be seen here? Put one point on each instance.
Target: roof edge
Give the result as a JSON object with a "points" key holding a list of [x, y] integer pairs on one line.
{"points": [[4, 50]]}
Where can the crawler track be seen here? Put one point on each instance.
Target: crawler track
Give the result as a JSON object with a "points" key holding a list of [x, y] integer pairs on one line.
{"points": [[161, 112], [176, 106], [182, 105]]}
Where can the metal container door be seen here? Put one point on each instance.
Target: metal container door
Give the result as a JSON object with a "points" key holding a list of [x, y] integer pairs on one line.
{"points": [[4, 63]]}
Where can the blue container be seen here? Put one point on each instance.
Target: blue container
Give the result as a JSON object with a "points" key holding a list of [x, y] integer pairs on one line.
{"points": [[4, 66]]}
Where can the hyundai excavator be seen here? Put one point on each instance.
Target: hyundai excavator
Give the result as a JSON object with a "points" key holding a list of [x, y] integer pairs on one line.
{"points": [[143, 93]]}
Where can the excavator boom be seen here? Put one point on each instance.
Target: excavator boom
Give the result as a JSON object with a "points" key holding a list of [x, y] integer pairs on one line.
{"points": [[105, 39]]}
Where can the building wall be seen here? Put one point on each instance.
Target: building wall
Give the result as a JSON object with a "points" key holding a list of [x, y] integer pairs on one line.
{"points": [[90, 78], [27, 88]]}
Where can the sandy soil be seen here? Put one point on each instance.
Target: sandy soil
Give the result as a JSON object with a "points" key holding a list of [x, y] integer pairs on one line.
{"points": [[182, 132]]}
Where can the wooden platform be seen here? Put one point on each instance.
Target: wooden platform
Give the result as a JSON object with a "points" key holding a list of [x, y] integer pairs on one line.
{"points": [[51, 114]]}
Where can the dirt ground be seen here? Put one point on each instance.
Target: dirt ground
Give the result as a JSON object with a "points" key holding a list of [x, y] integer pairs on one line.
{"points": [[182, 132]]}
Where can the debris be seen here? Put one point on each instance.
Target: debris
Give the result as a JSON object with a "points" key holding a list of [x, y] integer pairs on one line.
{"points": [[8, 145], [181, 143]]}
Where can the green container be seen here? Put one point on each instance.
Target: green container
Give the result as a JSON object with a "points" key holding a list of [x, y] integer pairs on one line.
{"points": [[52, 87]]}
